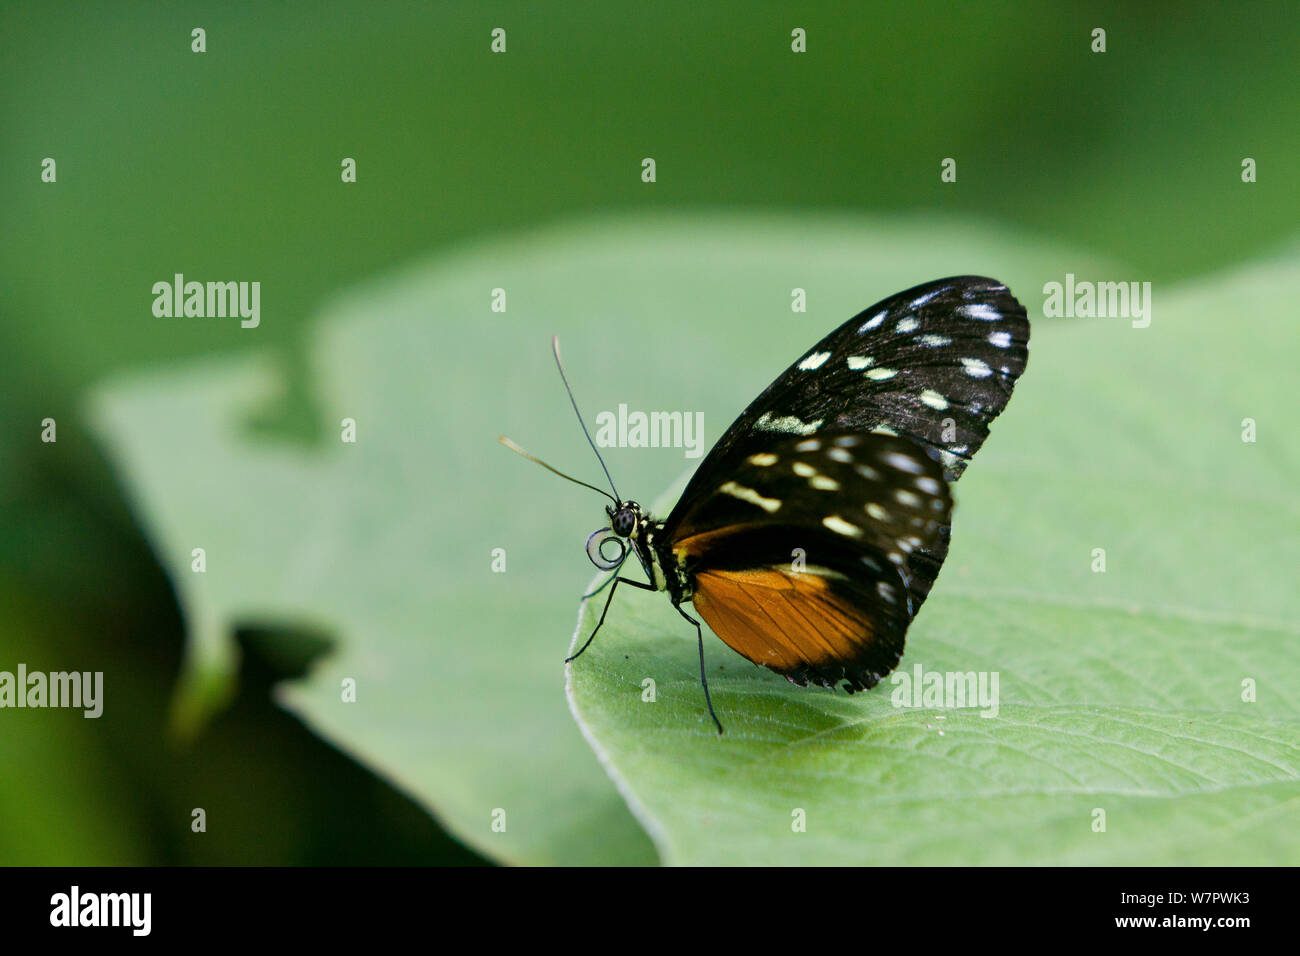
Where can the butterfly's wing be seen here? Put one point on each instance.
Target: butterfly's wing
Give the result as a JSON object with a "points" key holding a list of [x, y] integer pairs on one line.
{"points": [[799, 557], [935, 364], [948, 349]]}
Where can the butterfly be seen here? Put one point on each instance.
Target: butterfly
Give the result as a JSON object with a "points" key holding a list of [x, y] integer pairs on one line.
{"points": [[813, 531]]}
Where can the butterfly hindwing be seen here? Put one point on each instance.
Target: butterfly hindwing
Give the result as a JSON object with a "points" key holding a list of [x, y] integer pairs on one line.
{"points": [[800, 556], [808, 625]]}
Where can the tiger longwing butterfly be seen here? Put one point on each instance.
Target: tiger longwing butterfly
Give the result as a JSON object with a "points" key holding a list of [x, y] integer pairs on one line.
{"points": [[810, 535]]}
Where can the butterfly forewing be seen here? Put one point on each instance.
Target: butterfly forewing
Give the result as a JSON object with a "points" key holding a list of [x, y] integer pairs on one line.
{"points": [[934, 364]]}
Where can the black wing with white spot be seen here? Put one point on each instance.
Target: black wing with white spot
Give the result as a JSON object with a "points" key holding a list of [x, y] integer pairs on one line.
{"points": [[881, 491], [799, 556], [933, 365]]}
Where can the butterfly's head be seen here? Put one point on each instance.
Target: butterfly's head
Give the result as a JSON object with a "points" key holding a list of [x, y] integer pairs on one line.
{"points": [[607, 546], [625, 519]]}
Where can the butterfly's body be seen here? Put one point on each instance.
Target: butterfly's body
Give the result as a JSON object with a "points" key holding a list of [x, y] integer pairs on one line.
{"points": [[657, 559], [811, 534]]}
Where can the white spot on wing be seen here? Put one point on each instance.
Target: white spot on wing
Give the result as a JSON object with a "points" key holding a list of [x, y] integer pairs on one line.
{"points": [[928, 485], [812, 444], [839, 454], [906, 325], [815, 360], [762, 459], [934, 341], [817, 480], [904, 463], [1001, 339], [872, 322], [791, 424], [880, 374], [934, 399], [750, 495], [980, 310], [884, 430], [877, 512], [858, 362], [867, 472], [886, 591], [976, 368], [921, 300], [907, 498], [840, 526]]}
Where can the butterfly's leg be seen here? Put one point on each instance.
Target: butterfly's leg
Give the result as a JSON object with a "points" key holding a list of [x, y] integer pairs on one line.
{"points": [[704, 681], [617, 582]]}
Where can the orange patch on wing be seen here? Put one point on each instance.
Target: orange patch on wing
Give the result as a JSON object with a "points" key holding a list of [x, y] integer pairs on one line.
{"points": [[781, 619]]}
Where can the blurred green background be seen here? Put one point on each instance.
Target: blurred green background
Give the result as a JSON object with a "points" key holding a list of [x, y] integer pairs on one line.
{"points": [[227, 164]]}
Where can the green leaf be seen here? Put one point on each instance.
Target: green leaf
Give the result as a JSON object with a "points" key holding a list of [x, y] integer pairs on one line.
{"points": [[386, 545], [1119, 691]]}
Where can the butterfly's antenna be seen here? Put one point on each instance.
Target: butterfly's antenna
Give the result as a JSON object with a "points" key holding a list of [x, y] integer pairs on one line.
{"points": [[555, 345], [519, 451]]}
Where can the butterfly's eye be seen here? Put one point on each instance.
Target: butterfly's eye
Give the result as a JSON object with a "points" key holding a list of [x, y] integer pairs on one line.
{"points": [[606, 549], [623, 521]]}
